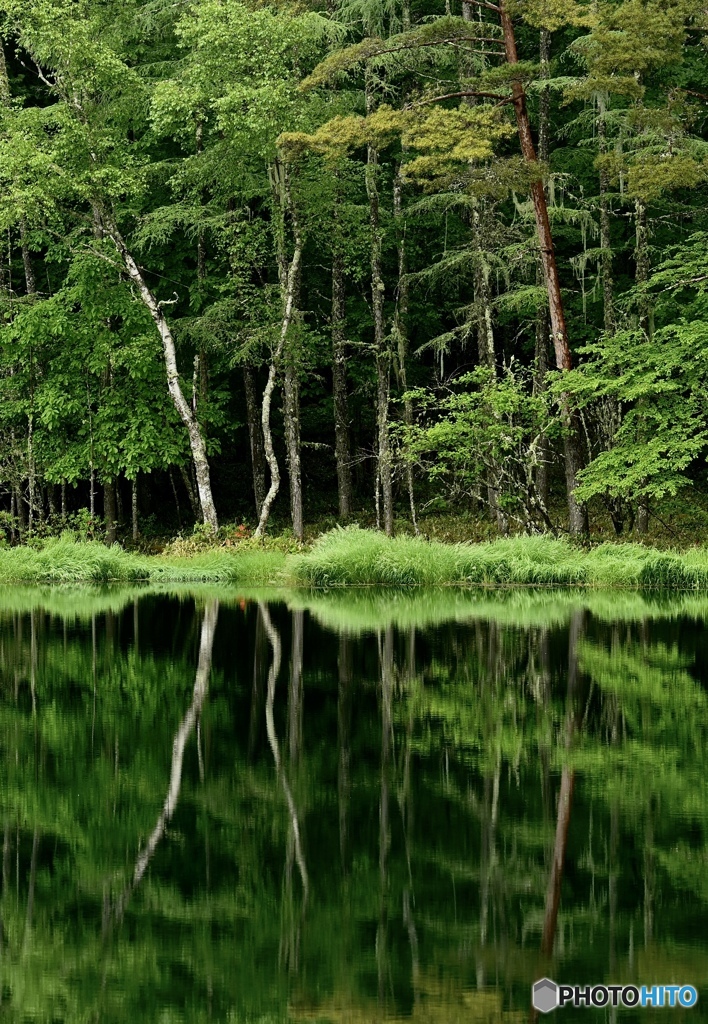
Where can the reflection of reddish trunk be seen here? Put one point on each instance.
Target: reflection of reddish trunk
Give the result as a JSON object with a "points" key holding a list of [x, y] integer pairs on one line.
{"points": [[559, 330], [565, 796], [550, 919]]}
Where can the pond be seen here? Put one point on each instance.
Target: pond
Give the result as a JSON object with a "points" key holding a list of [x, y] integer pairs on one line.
{"points": [[348, 807]]}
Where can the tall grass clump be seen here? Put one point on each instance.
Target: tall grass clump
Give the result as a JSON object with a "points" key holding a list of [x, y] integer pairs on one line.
{"points": [[66, 560], [356, 557]]}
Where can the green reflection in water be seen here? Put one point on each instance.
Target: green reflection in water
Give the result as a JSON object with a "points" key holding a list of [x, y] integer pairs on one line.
{"points": [[353, 807]]}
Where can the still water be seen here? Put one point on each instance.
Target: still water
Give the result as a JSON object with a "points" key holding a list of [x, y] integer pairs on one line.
{"points": [[348, 808]]}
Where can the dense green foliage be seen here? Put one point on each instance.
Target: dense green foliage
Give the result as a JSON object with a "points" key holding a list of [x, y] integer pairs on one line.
{"points": [[206, 204]]}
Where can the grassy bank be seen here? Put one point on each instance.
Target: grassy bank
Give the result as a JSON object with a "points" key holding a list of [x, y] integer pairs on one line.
{"points": [[69, 561], [356, 557]]}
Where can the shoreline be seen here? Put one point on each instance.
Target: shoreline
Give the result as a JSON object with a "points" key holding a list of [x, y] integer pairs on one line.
{"points": [[356, 558]]}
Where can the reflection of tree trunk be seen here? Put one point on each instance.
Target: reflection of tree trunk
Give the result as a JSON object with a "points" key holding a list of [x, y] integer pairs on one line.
{"points": [[406, 802], [201, 683], [612, 881], [276, 647], [32, 881], [5, 884], [295, 695], [413, 941], [344, 720], [649, 876], [488, 852], [386, 661], [565, 796], [259, 674], [290, 942], [289, 951]]}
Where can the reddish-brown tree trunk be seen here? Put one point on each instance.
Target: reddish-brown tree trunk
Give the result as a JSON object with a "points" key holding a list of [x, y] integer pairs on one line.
{"points": [[559, 330]]}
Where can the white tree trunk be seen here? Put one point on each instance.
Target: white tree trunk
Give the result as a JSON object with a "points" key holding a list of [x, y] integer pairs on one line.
{"points": [[196, 440], [291, 282]]}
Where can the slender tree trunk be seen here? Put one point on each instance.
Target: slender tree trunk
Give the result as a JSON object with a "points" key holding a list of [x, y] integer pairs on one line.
{"points": [[342, 440], [30, 280], [196, 439], [606, 272], [255, 436], [176, 497], [485, 349], [109, 511], [641, 256], [543, 326], [31, 288], [191, 493], [573, 451], [609, 415], [402, 325], [382, 355], [291, 416], [282, 204], [119, 503], [20, 512], [134, 509], [293, 275], [31, 474]]}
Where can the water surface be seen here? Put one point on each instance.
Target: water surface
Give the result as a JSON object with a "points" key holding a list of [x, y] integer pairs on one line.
{"points": [[349, 807]]}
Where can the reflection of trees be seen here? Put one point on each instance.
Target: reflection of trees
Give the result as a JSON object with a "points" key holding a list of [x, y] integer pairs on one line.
{"points": [[565, 794], [290, 942], [433, 799], [385, 645], [185, 730]]}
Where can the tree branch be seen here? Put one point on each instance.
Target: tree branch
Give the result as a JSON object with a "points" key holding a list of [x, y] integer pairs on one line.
{"points": [[462, 93]]}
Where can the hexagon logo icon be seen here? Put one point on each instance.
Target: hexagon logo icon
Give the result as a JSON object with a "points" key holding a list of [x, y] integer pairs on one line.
{"points": [[544, 995]]}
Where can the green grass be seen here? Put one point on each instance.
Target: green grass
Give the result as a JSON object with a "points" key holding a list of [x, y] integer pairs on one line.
{"points": [[69, 561], [355, 557], [359, 557]]}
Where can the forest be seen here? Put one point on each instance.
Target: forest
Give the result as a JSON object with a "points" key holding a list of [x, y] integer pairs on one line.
{"points": [[332, 261]]}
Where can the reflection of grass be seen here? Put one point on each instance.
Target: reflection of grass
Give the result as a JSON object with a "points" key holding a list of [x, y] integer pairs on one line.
{"points": [[359, 610], [366, 610], [356, 557]]}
